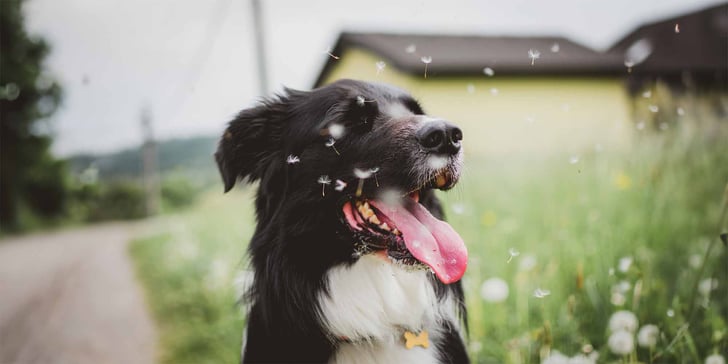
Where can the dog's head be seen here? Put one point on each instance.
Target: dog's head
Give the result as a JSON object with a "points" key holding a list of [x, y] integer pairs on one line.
{"points": [[356, 159]]}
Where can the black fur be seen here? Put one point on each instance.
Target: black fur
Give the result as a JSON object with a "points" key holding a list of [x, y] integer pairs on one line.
{"points": [[299, 234]]}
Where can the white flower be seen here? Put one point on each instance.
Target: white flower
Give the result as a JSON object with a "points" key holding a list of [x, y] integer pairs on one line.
{"points": [[494, 290], [621, 342], [623, 321], [582, 359], [556, 358], [647, 336], [625, 263], [715, 359]]}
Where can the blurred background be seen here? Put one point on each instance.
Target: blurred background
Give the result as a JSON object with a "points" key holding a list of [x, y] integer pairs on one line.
{"points": [[593, 200]]}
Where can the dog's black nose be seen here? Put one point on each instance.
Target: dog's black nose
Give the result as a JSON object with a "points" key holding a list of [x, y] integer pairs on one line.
{"points": [[439, 136]]}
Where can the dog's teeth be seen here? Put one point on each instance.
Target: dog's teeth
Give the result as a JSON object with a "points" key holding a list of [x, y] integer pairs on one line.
{"points": [[374, 220], [384, 226]]}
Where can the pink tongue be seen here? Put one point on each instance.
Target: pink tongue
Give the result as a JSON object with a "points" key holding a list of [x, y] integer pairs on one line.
{"points": [[430, 240]]}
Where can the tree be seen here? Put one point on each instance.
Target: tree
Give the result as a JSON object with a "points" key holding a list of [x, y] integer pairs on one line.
{"points": [[31, 179]]}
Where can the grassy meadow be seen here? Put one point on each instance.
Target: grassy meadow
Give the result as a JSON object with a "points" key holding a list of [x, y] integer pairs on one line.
{"points": [[564, 241]]}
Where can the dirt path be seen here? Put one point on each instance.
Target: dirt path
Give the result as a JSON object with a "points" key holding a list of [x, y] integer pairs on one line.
{"points": [[71, 297]]}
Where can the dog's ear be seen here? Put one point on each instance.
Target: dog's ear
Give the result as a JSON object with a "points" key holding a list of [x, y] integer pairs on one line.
{"points": [[251, 142]]}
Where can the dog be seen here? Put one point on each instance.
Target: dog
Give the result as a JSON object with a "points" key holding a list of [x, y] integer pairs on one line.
{"points": [[352, 261]]}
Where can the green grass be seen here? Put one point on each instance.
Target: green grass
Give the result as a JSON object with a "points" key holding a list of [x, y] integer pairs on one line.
{"points": [[657, 202]]}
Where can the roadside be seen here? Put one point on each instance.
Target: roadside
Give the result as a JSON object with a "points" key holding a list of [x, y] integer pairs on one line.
{"points": [[71, 297]]}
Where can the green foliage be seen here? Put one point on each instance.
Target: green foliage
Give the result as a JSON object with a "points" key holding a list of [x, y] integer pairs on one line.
{"points": [[29, 177], [190, 156], [120, 200], [189, 275], [178, 192]]}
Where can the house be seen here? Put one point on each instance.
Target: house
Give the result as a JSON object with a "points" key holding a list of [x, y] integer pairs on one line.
{"points": [[540, 95]]}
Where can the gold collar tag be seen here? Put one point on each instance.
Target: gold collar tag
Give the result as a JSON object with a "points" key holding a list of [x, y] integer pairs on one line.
{"points": [[411, 339]]}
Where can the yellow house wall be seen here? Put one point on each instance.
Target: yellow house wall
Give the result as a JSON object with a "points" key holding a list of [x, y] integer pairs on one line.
{"points": [[533, 115]]}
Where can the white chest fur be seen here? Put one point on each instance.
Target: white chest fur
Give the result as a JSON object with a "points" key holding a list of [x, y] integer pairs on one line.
{"points": [[371, 302]]}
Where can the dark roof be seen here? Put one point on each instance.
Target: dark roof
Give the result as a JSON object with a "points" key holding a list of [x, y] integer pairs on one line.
{"points": [[700, 44], [467, 55]]}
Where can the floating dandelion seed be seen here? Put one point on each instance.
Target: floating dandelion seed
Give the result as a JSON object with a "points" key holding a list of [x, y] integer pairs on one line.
{"points": [[470, 88], [574, 159], [340, 185], [527, 263], [670, 313], [411, 49], [512, 253], [680, 111], [637, 53], [541, 293], [494, 91], [374, 171], [555, 48], [336, 130], [360, 100], [534, 54], [677, 28], [653, 108], [426, 60], [330, 144], [323, 181], [292, 159], [664, 126], [629, 65], [647, 94], [328, 51], [488, 71], [380, 66], [640, 125], [361, 175]]}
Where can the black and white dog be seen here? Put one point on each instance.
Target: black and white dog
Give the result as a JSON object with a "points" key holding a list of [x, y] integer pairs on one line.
{"points": [[352, 261]]}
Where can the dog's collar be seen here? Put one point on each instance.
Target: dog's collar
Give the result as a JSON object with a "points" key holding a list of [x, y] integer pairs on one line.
{"points": [[408, 338]]}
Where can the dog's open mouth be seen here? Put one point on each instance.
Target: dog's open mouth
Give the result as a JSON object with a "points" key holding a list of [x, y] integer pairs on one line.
{"points": [[409, 234]]}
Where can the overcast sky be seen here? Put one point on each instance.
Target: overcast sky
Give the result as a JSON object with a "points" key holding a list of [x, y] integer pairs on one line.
{"points": [[192, 61]]}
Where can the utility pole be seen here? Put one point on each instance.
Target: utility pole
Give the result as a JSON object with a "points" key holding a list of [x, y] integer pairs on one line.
{"points": [[150, 174], [260, 47]]}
